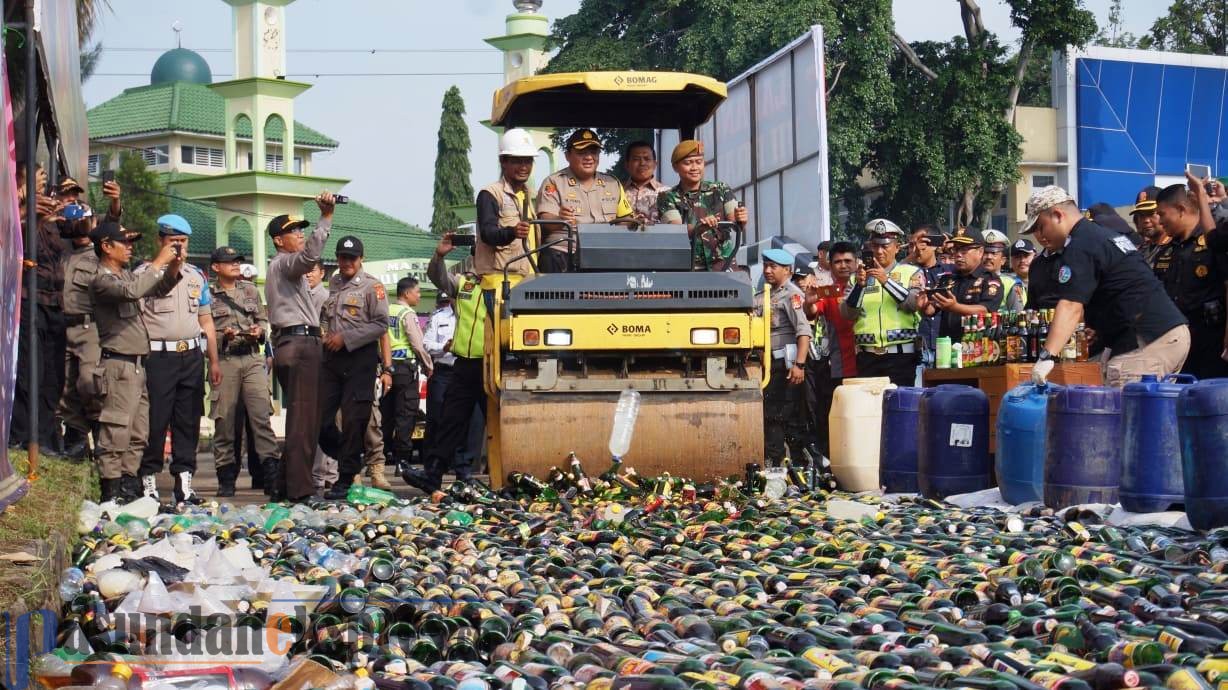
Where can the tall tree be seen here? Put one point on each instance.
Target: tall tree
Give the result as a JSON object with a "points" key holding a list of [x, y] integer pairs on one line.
{"points": [[957, 139], [144, 196], [452, 186], [723, 38], [1191, 26], [1113, 34]]}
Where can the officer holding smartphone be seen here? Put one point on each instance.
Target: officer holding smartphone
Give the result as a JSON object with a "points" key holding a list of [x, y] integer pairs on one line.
{"points": [[969, 291]]}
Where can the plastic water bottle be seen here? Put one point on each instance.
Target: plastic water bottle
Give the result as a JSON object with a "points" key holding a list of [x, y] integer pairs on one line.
{"points": [[624, 423], [71, 582]]}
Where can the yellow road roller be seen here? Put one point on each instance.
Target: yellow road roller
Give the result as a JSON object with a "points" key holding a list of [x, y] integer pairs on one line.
{"points": [[632, 314]]}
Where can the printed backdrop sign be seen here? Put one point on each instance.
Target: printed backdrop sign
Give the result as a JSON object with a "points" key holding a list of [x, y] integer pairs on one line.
{"points": [[12, 485]]}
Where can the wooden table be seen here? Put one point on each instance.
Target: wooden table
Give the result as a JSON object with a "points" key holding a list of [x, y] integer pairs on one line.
{"points": [[997, 381]]}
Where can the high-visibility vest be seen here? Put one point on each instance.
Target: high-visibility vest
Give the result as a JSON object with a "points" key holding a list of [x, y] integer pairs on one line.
{"points": [[882, 321], [469, 336], [399, 339], [1008, 284]]}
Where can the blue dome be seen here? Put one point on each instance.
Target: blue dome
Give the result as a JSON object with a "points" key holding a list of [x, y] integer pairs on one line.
{"points": [[180, 64]]}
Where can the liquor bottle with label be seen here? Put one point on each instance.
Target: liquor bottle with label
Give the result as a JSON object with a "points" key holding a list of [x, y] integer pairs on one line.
{"points": [[1080, 344], [1013, 348], [1043, 336], [1034, 340], [999, 327]]}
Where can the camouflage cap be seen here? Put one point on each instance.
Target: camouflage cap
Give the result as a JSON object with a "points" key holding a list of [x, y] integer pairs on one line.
{"points": [[1042, 200]]}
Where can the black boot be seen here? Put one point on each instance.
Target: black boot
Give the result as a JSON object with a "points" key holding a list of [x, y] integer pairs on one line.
{"points": [[340, 489], [111, 490], [129, 488], [274, 479], [226, 476]]}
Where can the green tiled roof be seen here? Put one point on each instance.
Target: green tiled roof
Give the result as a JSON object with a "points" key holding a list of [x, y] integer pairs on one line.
{"points": [[383, 237], [185, 107]]}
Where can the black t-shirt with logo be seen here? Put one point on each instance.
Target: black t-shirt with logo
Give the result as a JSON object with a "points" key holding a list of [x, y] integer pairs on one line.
{"points": [[1123, 300]]}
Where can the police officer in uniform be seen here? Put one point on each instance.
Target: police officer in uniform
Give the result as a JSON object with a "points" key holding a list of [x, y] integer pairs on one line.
{"points": [[78, 406], [465, 388], [176, 381], [294, 316], [119, 379], [969, 291], [1194, 276], [242, 324], [884, 306], [577, 194], [1102, 277], [1013, 295], [784, 426], [356, 317], [399, 405]]}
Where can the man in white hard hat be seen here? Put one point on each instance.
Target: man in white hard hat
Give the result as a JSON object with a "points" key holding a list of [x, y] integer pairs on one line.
{"points": [[505, 208]]}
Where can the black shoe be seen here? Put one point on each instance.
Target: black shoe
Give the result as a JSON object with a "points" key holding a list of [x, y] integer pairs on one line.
{"points": [[225, 489], [420, 481], [129, 488], [78, 452], [339, 490], [274, 482], [111, 490]]}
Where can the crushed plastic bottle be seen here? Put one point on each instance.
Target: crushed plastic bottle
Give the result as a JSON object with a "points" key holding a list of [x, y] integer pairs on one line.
{"points": [[624, 423]]}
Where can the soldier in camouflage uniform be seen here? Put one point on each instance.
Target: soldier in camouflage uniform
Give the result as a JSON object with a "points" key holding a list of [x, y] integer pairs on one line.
{"points": [[700, 204]]}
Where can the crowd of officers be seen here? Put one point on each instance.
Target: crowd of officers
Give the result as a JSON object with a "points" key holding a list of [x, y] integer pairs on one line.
{"points": [[126, 353]]}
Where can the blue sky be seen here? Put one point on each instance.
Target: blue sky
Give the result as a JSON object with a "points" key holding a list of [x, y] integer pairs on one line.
{"points": [[387, 124]]}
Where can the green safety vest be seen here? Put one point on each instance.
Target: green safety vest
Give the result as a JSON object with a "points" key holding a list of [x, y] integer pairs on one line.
{"points": [[467, 339], [1008, 284], [399, 338], [882, 322]]}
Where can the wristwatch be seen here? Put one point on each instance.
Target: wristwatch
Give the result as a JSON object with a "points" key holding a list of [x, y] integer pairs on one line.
{"points": [[385, 370], [800, 365], [1044, 355]]}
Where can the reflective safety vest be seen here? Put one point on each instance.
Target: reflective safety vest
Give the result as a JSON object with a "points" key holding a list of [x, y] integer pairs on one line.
{"points": [[882, 321], [397, 335], [469, 336], [1008, 284]]}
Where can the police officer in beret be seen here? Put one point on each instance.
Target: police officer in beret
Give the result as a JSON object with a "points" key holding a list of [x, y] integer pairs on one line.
{"points": [[181, 332], [355, 317], [784, 425]]}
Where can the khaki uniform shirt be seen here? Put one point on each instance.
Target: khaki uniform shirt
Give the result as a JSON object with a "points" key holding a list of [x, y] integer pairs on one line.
{"points": [[239, 308], [79, 270], [789, 321], [285, 287], [643, 198], [176, 316], [601, 201], [319, 295], [120, 326], [357, 309]]}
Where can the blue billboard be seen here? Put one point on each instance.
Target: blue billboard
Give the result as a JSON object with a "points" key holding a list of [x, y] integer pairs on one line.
{"points": [[1142, 116]]}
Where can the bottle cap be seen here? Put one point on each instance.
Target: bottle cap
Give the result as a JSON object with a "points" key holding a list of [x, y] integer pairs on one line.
{"points": [[122, 671]]}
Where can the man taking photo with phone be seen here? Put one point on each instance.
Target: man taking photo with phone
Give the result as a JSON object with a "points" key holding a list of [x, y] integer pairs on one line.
{"points": [[884, 305], [969, 291]]}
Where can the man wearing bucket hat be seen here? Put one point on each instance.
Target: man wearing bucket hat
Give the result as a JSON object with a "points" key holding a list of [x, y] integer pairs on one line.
{"points": [[577, 194], [784, 427], [1103, 279], [884, 304]]}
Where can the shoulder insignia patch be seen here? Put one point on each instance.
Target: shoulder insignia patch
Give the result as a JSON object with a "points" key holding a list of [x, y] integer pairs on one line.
{"points": [[1064, 274], [1124, 244], [550, 189], [796, 301], [1202, 271], [380, 293], [991, 288]]}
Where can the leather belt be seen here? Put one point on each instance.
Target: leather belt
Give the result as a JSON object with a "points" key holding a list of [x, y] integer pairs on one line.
{"points": [[313, 331], [241, 351], [906, 349], [174, 345], [78, 319], [131, 359]]}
